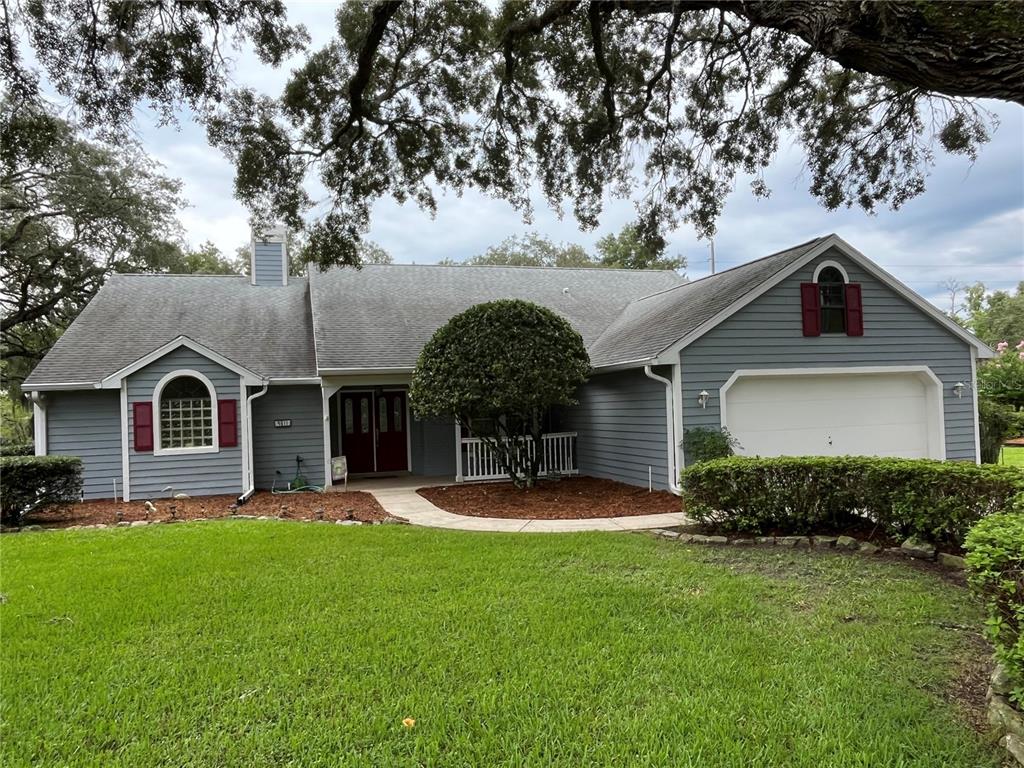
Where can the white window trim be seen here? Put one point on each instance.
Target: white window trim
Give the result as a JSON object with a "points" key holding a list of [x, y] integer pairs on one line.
{"points": [[157, 450], [935, 393], [829, 263]]}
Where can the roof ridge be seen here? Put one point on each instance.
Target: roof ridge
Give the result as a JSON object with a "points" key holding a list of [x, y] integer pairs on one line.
{"points": [[179, 274], [461, 265]]}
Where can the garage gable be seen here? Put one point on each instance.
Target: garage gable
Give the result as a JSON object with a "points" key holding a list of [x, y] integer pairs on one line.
{"points": [[770, 333]]}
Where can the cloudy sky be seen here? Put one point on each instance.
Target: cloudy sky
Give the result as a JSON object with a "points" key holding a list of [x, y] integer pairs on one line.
{"points": [[968, 225]]}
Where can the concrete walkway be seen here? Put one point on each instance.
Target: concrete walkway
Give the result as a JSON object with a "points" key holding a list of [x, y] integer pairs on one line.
{"points": [[401, 500]]}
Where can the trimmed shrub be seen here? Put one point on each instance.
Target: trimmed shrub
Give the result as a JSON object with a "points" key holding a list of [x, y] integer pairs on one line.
{"points": [[17, 449], [933, 500], [703, 444], [995, 561], [28, 483], [995, 424]]}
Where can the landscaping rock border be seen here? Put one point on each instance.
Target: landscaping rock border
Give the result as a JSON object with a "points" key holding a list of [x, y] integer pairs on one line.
{"points": [[1003, 716], [910, 548], [143, 523]]}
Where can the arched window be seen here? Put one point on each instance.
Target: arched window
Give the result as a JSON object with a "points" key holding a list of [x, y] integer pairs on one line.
{"points": [[186, 413], [832, 290], [831, 304]]}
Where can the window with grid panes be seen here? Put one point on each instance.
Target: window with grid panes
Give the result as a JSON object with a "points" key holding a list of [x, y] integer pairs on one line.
{"points": [[186, 414]]}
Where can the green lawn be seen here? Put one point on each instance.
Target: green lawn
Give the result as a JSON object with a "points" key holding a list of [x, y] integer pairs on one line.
{"points": [[1012, 455], [243, 643]]}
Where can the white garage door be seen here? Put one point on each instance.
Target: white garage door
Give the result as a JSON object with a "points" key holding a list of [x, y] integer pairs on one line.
{"points": [[836, 414]]}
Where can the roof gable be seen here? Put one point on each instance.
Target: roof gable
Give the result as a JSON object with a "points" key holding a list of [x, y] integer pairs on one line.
{"points": [[811, 251], [113, 381], [265, 330]]}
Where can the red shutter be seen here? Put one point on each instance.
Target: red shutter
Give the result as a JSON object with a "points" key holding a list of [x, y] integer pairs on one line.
{"points": [[810, 305], [227, 423], [854, 311], [142, 426]]}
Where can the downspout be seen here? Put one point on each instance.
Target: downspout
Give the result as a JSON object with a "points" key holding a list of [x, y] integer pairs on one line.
{"points": [[250, 486], [673, 470]]}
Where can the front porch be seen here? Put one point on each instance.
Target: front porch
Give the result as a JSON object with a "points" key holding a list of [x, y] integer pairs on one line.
{"points": [[370, 423]]}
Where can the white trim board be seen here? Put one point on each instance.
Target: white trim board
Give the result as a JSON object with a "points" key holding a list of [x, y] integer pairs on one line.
{"points": [[830, 263], [670, 354], [974, 397], [936, 396], [126, 491], [39, 426], [363, 371], [113, 381]]}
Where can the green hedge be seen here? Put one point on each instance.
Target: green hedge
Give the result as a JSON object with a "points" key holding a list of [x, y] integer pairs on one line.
{"points": [[995, 559], [28, 483], [934, 500], [17, 449]]}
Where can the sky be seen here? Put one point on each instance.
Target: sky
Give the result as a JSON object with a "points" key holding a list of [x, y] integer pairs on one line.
{"points": [[968, 226]]}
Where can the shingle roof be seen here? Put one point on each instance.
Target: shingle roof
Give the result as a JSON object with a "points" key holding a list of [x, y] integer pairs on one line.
{"points": [[655, 322], [266, 329], [400, 306], [381, 315]]}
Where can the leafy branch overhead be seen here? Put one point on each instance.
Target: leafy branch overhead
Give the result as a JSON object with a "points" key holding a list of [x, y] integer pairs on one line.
{"points": [[666, 103]]}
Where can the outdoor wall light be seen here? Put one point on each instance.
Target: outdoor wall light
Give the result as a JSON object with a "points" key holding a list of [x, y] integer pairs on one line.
{"points": [[703, 398], [958, 389]]}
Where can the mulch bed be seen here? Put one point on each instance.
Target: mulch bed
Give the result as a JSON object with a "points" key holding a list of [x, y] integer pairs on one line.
{"points": [[571, 498], [356, 505]]}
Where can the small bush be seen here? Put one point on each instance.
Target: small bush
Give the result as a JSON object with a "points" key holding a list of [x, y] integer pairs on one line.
{"points": [[28, 483], [995, 559], [934, 500], [996, 422], [703, 444], [17, 449]]}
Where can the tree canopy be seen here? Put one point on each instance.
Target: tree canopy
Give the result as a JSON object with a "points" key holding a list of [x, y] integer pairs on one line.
{"points": [[623, 250], [628, 249], [508, 362], [667, 103], [72, 212], [997, 316]]}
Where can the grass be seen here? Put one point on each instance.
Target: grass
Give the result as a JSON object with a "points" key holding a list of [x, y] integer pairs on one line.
{"points": [[1012, 455], [240, 643]]}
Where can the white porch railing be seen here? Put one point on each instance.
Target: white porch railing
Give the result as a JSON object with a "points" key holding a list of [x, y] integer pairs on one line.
{"points": [[478, 462]]}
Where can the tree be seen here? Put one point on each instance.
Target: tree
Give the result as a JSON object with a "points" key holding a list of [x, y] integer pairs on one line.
{"points": [[630, 250], [664, 101], [508, 362], [72, 212], [953, 289], [371, 253], [997, 316], [208, 260], [530, 250]]}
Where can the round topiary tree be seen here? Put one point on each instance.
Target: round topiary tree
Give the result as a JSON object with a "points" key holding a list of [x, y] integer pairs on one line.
{"points": [[506, 361]]}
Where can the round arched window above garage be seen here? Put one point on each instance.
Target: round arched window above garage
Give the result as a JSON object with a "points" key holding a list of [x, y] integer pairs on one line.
{"points": [[186, 414]]}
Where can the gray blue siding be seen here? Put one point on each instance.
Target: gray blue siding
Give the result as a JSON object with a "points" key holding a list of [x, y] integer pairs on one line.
{"points": [[88, 425], [768, 333], [433, 446], [269, 264], [196, 474], [621, 424], [275, 448]]}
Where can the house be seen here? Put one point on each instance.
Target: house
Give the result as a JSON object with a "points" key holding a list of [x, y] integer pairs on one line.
{"points": [[220, 384]]}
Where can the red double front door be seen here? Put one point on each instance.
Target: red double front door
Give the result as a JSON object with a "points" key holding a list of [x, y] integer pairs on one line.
{"points": [[374, 431]]}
